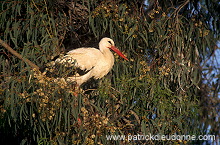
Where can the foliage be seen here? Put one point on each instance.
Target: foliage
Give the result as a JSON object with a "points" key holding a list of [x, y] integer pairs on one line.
{"points": [[161, 90]]}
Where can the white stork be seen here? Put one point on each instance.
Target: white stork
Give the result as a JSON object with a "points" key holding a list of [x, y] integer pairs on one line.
{"points": [[97, 62]]}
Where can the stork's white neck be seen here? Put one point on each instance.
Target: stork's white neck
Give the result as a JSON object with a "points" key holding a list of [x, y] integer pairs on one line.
{"points": [[107, 54], [102, 47]]}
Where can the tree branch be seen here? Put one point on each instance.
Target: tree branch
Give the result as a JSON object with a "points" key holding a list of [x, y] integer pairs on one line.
{"points": [[18, 55], [181, 6]]}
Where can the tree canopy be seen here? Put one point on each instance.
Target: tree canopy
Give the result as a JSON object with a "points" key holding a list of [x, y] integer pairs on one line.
{"points": [[170, 85]]}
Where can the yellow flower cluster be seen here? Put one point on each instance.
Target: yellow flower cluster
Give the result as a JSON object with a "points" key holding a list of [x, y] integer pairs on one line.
{"points": [[153, 12], [164, 70], [202, 31], [107, 9], [96, 121], [144, 69], [48, 104], [91, 120], [25, 96]]}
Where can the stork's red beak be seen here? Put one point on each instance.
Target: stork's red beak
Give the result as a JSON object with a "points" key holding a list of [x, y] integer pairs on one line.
{"points": [[118, 52]]}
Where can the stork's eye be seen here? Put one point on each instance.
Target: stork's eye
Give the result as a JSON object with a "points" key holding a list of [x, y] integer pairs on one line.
{"points": [[110, 42]]}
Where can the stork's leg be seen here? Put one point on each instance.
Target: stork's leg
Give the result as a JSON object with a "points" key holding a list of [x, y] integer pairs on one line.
{"points": [[76, 90], [74, 87]]}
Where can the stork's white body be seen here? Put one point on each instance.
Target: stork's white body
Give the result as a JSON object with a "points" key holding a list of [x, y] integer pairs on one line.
{"points": [[98, 62]]}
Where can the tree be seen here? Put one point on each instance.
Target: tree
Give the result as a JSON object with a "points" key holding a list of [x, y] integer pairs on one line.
{"points": [[163, 89]]}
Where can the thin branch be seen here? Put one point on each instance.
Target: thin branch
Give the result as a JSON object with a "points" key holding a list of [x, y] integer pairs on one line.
{"points": [[136, 116], [177, 10], [18, 55], [181, 6]]}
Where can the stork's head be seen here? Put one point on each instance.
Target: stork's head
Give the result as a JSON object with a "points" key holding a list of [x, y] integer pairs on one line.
{"points": [[107, 43]]}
